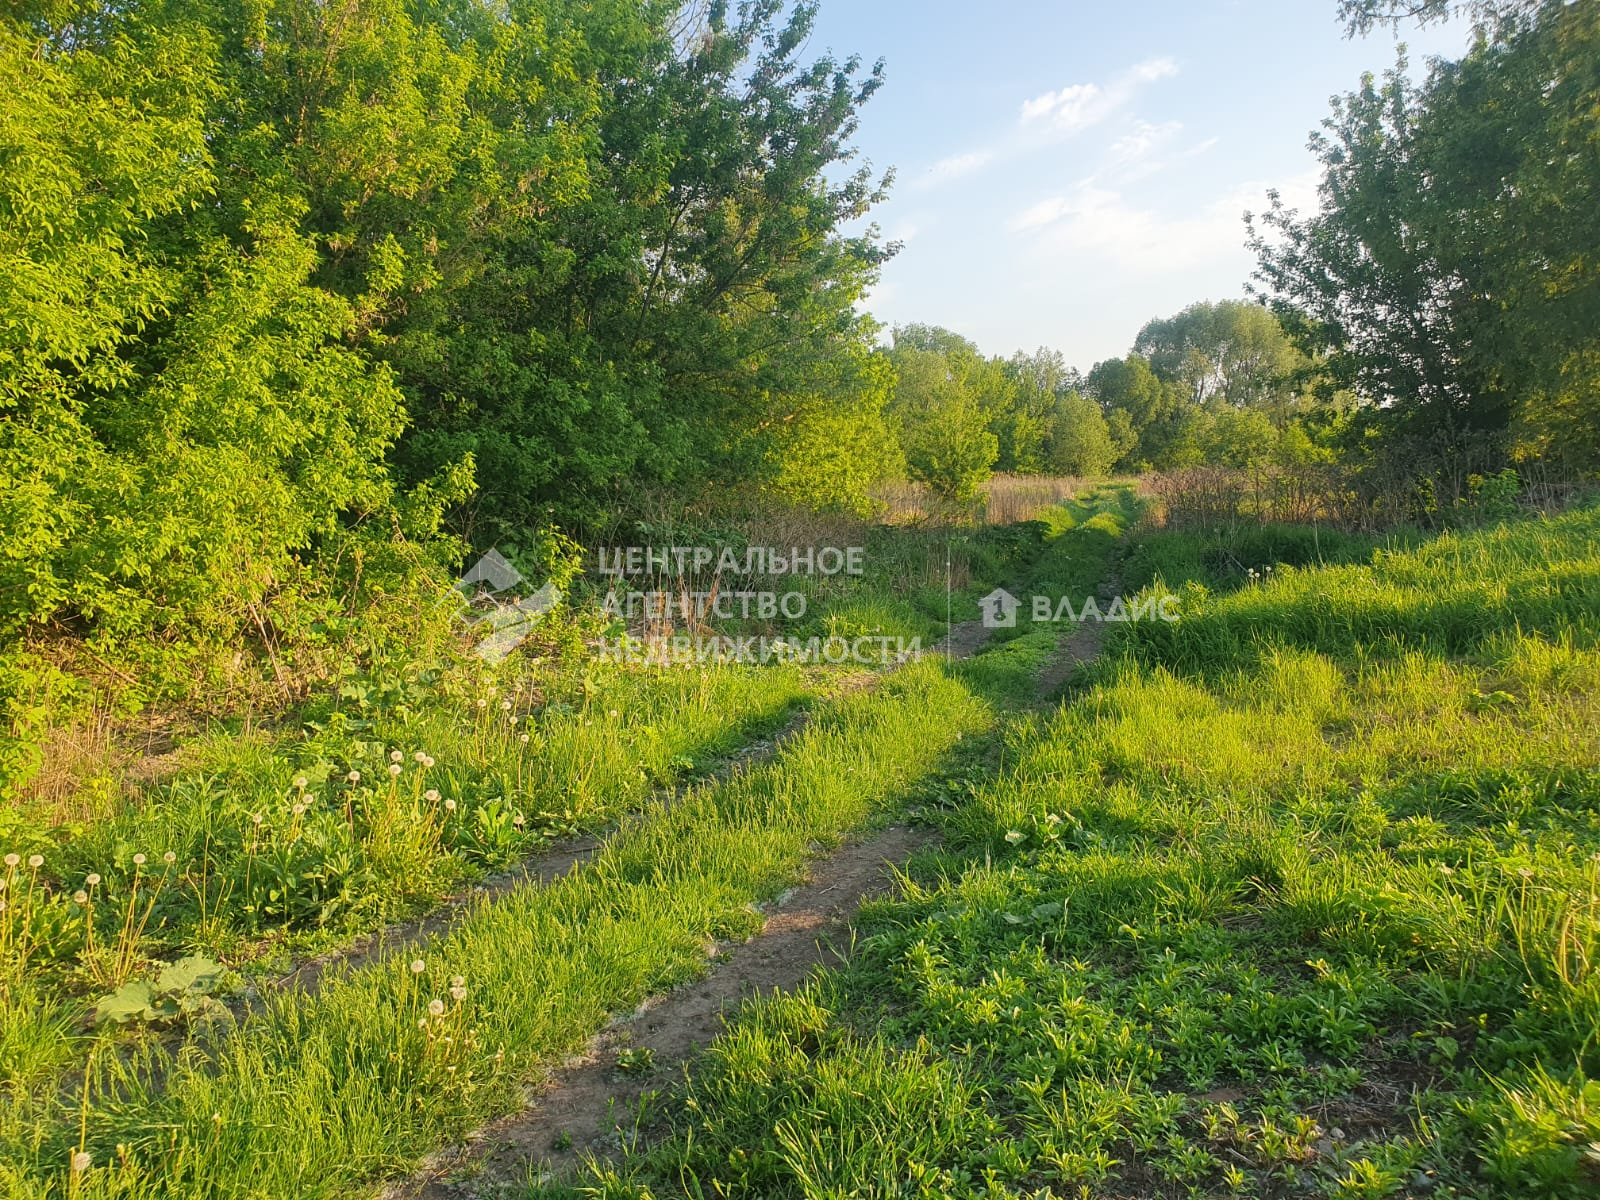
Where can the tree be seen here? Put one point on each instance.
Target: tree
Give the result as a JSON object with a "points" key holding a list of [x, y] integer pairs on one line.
{"points": [[943, 429], [1449, 272], [1040, 381], [1155, 410], [1229, 353], [1080, 442]]}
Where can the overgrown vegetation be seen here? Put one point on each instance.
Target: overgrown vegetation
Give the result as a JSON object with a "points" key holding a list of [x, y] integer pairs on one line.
{"points": [[1296, 896]]}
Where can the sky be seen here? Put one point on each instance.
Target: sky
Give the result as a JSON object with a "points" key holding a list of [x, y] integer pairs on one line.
{"points": [[1067, 171]]}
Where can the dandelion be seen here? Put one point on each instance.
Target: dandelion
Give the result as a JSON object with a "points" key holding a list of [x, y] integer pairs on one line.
{"points": [[36, 861], [299, 810], [13, 859], [449, 806], [493, 691], [80, 897], [1523, 871], [93, 879], [427, 762], [505, 706], [354, 777], [519, 820], [169, 858], [300, 782], [483, 704], [431, 796], [613, 713], [436, 1008], [458, 981], [458, 994], [422, 1022], [523, 739], [419, 757], [255, 818], [138, 860], [1444, 870], [395, 756], [418, 966], [81, 1162], [394, 770], [512, 718]]}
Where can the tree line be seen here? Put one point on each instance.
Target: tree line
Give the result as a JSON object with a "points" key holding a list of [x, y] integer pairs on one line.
{"points": [[300, 296]]}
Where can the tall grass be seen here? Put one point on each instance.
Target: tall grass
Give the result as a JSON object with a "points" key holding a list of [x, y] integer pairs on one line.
{"points": [[1298, 897], [321, 1092]]}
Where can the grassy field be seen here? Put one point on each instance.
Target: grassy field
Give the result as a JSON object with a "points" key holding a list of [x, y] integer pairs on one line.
{"points": [[1299, 896], [140, 921]]}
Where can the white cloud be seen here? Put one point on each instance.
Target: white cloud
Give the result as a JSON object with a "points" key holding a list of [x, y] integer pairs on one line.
{"points": [[1072, 108], [1093, 220], [1080, 105], [955, 166], [1144, 140]]}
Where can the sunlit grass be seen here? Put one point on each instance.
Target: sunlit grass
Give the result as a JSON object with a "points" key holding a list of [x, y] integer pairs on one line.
{"points": [[1298, 896]]}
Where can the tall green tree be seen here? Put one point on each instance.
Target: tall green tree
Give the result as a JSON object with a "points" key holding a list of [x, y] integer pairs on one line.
{"points": [[1449, 271]]}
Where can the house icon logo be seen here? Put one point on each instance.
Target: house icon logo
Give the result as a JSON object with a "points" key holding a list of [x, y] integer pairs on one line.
{"points": [[999, 609]]}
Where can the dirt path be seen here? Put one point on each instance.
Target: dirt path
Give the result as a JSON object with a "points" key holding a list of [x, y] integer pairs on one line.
{"points": [[587, 1107]]}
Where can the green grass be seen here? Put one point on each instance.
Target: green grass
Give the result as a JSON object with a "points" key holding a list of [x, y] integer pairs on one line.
{"points": [[366, 1077], [1300, 896], [320, 1093]]}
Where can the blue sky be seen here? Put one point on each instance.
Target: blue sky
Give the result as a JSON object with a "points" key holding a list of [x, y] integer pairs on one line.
{"points": [[1068, 170]]}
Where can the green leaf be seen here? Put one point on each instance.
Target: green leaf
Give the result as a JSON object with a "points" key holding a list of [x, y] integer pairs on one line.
{"points": [[132, 1001]]}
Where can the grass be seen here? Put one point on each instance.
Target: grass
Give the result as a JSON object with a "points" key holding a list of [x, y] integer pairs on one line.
{"points": [[319, 1093], [405, 784], [1300, 896]]}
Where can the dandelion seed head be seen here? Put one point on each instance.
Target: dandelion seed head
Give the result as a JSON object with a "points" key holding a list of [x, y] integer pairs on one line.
{"points": [[449, 806], [613, 713], [395, 756], [138, 860], [354, 777], [300, 782], [255, 818], [523, 739], [431, 796], [13, 859], [81, 1162], [92, 879], [169, 858], [458, 981], [299, 810], [427, 762], [394, 769], [436, 1008], [80, 897], [458, 994], [418, 966]]}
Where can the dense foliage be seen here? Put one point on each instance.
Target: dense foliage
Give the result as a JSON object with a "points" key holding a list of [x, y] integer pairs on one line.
{"points": [[282, 278], [1449, 275]]}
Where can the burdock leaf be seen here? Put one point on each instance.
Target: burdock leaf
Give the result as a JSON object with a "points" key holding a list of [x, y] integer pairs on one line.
{"points": [[194, 973], [129, 1002]]}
